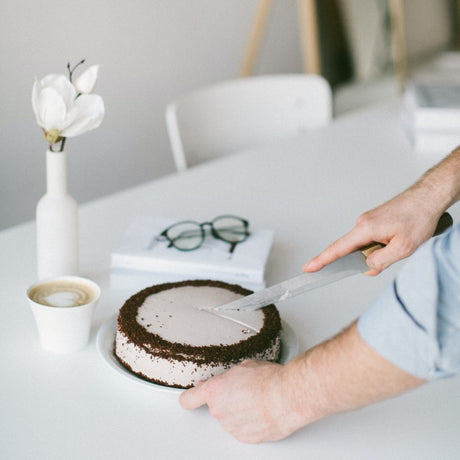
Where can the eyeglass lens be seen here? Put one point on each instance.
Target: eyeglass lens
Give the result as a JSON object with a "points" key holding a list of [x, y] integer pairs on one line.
{"points": [[230, 229], [186, 235]]}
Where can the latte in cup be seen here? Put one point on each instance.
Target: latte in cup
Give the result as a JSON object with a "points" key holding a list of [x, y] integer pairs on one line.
{"points": [[62, 293]]}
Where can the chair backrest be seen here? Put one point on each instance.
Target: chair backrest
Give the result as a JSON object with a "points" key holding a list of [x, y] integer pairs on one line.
{"points": [[245, 112]]}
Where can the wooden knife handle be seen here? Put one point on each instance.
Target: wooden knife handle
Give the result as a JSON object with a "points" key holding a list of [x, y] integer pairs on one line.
{"points": [[444, 222], [366, 251]]}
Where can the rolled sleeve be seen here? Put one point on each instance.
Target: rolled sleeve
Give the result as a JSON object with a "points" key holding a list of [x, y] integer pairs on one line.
{"points": [[415, 323]]}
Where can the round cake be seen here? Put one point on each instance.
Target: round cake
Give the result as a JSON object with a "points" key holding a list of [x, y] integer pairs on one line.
{"points": [[166, 335]]}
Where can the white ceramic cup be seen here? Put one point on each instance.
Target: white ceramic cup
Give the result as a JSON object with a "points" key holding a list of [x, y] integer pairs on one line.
{"points": [[63, 328]]}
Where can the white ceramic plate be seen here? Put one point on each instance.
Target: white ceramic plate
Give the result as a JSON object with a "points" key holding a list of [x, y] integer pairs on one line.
{"points": [[105, 342]]}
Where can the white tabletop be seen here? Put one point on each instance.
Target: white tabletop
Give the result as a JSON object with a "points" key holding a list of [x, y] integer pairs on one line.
{"points": [[309, 190]]}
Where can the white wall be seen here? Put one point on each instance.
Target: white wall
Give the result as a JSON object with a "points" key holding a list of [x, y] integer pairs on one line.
{"points": [[150, 51]]}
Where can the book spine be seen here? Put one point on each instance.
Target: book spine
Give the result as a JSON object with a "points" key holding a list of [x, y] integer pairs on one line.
{"points": [[132, 262]]}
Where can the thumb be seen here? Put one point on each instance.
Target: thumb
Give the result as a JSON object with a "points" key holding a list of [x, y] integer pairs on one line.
{"points": [[194, 397]]}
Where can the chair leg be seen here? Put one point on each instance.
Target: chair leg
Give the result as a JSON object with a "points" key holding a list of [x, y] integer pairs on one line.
{"points": [[457, 24], [308, 21], [398, 41], [259, 26]]}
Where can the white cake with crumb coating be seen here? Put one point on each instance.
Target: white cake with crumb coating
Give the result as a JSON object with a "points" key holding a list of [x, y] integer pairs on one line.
{"points": [[165, 334]]}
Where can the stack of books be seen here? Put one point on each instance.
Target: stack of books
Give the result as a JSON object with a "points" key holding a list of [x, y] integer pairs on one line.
{"points": [[142, 259], [431, 115]]}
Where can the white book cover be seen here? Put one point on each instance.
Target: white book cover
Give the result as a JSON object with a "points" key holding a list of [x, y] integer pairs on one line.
{"points": [[433, 106], [141, 250]]}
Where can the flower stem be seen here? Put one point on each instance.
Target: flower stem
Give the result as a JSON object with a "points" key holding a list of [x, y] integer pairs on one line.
{"points": [[62, 144], [72, 70]]}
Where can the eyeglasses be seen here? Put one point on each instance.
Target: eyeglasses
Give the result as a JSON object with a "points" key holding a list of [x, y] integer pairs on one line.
{"points": [[189, 235]]}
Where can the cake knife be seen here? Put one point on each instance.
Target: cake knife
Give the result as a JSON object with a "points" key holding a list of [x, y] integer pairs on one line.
{"points": [[348, 265]]}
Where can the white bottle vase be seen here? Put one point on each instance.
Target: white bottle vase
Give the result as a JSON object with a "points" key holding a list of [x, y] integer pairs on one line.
{"points": [[57, 222]]}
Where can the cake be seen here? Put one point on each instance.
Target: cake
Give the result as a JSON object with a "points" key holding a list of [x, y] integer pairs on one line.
{"points": [[165, 334]]}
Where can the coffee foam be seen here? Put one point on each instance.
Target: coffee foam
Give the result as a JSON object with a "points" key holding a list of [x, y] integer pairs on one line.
{"points": [[62, 293]]}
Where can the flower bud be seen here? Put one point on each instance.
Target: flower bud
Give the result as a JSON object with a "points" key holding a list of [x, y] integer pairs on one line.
{"points": [[86, 81]]}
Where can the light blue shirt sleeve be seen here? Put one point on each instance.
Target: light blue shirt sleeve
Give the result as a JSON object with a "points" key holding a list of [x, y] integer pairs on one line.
{"points": [[415, 323]]}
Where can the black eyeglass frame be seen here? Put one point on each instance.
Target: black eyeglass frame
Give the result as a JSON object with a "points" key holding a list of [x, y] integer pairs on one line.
{"points": [[201, 226]]}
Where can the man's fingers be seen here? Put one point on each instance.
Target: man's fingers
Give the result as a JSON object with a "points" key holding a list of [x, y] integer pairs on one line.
{"points": [[350, 242], [194, 397], [378, 261], [381, 259]]}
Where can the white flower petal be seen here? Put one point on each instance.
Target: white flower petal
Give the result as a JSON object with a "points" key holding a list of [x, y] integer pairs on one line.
{"points": [[51, 109], [35, 92], [86, 81], [70, 117], [62, 85], [90, 112]]}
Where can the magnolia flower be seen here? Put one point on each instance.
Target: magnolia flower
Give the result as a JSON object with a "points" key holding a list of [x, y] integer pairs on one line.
{"points": [[63, 109], [86, 81]]}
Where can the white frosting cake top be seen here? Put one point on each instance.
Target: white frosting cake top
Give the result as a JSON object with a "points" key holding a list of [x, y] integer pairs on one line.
{"points": [[176, 315]]}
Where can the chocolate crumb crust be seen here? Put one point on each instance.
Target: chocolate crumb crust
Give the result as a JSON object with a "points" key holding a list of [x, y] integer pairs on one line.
{"points": [[233, 353]]}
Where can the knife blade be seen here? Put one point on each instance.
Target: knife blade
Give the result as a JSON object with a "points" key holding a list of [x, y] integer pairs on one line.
{"points": [[346, 266]]}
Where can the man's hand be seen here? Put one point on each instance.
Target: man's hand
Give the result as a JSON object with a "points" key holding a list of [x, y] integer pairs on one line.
{"points": [[402, 224], [250, 401], [260, 401]]}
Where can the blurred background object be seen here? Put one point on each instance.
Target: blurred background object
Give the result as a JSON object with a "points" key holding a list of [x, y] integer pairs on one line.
{"points": [[152, 52]]}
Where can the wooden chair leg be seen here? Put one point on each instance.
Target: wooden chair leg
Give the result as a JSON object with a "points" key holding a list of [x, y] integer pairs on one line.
{"points": [[457, 24], [259, 26], [398, 41], [308, 21]]}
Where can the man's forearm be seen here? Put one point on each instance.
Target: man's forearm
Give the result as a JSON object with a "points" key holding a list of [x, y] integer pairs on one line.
{"points": [[341, 374], [440, 185]]}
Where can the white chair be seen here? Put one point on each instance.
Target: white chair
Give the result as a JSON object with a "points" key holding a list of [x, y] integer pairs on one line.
{"points": [[245, 112]]}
